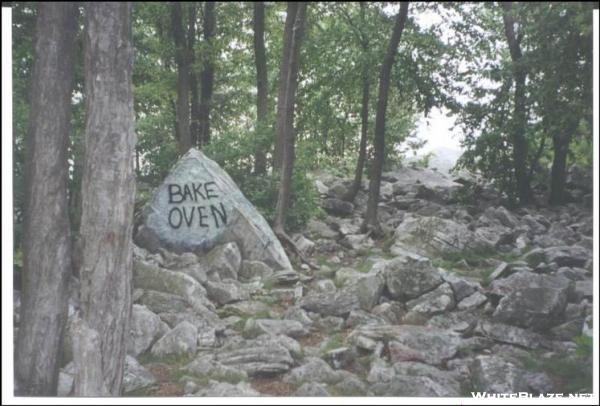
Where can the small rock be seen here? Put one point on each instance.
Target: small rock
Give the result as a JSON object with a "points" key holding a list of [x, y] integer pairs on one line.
{"points": [[182, 340]]}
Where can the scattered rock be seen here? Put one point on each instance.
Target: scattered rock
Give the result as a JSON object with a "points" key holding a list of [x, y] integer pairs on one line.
{"points": [[136, 376], [407, 278], [257, 327], [145, 327], [182, 340]]}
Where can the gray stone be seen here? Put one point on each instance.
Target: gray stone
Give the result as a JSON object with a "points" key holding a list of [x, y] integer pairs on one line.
{"points": [[369, 289], [411, 343], [493, 374], [413, 386], [501, 270], [408, 278], [304, 244], [226, 292], [446, 379], [459, 321], [311, 389], [246, 308], [145, 328], [182, 340], [262, 355], [574, 255], [323, 286], [319, 229], [536, 308], [205, 366], [359, 317], [350, 385], [160, 302], [297, 314], [198, 191], [149, 276], [438, 300], [461, 286], [392, 312], [224, 260], [472, 301], [380, 372], [252, 270], [257, 327], [339, 303], [337, 207], [65, 384], [434, 235], [313, 370], [522, 280], [511, 335], [221, 389], [136, 376]]}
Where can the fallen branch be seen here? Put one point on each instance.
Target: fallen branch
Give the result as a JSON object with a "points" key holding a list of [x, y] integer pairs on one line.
{"points": [[290, 246]]}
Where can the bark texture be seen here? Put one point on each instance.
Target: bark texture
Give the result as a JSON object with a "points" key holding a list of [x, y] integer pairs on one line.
{"points": [[107, 194], [260, 58], [183, 79], [47, 240], [208, 74], [371, 222], [519, 121], [285, 115]]}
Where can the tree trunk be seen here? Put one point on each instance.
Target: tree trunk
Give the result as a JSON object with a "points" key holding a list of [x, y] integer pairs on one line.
{"points": [[260, 57], [283, 92], [285, 118], [47, 239], [364, 131], [371, 222], [559, 170], [560, 144], [108, 192], [195, 112], [207, 75], [520, 107], [183, 79]]}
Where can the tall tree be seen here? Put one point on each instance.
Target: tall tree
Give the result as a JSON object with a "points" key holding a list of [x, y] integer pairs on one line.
{"points": [[294, 33], [287, 83], [519, 118], [183, 79], [47, 240], [260, 58], [371, 222], [363, 39], [195, 100], [208, 72], [108, 192]]}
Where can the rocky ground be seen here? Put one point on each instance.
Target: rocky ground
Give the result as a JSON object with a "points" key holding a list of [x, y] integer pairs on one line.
{"points": [[459, 298]]}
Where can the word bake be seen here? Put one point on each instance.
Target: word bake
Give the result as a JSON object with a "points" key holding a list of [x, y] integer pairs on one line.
{"points": [[211, 212]]}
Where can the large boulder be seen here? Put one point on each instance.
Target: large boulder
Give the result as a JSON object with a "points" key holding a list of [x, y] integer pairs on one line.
{"points": [[198, 206], [437, 236], [531, 300], [409, 277], [410, 343], [574, 255]]}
